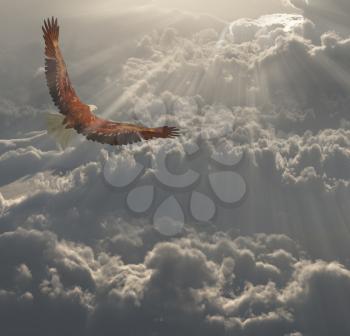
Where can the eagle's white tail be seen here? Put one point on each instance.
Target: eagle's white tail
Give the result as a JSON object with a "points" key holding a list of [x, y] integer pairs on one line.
{"points": [[56, 128]]}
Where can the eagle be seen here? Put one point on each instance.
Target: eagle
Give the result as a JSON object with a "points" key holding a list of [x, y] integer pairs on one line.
{"points": [[78, 116]]}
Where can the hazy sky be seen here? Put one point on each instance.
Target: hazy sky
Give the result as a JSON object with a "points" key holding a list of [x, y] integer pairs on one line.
{"points": [[224, 9], [227, 9]]}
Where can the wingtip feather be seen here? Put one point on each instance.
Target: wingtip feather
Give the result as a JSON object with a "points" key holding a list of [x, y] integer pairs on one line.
{"points": [[171, 132]]}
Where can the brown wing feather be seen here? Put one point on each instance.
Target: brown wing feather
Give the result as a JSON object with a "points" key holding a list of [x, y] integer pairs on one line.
{"points": [[60, 87], [113, 133], [78, 114]]}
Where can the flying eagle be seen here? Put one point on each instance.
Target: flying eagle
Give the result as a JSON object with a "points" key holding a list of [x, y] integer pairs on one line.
{"points": [[79, 116]]}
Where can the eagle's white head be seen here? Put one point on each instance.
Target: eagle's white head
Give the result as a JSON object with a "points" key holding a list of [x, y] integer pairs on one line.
{"points": [[92, 107]]}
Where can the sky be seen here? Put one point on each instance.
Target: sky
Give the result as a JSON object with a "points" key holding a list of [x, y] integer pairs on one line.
{"points": [[238, 227], [226, 9]]}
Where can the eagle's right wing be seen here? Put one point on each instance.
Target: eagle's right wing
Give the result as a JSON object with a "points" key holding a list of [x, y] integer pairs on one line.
{"points": [[114, 133]]}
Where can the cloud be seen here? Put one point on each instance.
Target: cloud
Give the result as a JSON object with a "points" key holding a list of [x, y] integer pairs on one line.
{"points": [[185, 285], [309, 290], [265, 99], [328, 14], [33, 290]]}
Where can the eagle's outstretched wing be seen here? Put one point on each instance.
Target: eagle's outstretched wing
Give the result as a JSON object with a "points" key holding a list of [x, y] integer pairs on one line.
{"points": [[78, 115]]}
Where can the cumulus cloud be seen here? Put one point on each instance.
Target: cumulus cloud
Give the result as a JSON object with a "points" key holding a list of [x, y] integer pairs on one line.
{"points": [[249, 286], [328, 14]]}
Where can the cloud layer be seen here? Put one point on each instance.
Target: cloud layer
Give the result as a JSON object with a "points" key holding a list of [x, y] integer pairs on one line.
{"points": [[263, 98], [247, 286]]}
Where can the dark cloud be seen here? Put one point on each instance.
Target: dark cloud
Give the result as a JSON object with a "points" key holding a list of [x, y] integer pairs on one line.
{"points": [[311, 78], [34, 298], [186, 285]]}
